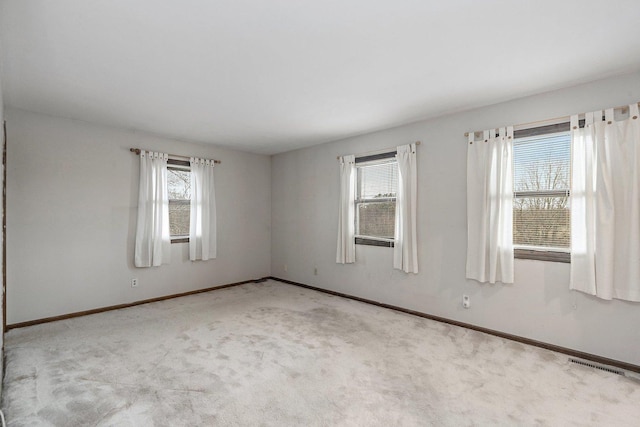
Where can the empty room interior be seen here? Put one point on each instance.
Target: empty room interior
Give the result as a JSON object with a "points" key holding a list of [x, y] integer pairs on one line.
{"points": [[320, 213]]}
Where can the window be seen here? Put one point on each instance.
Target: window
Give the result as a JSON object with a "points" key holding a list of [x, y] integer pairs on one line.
{"points": [[376, 199], [541, 187], [179, 189]]}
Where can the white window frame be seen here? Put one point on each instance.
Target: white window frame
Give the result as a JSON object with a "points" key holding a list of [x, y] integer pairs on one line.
{"points": [[186, 167], [376, 159], [542, 253]]}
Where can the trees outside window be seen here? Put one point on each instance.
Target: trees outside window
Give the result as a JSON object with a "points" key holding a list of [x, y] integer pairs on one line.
{"points": [[376, 200], [179, 188], [541, 211]]}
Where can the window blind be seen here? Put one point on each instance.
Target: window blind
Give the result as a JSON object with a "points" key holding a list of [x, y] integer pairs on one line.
{"points": [[179, 189], [378, 180], [541, 185], [376, 199]]}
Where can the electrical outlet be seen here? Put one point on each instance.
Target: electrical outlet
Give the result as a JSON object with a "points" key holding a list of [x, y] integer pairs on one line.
{"points": [[285, 268], [315, 271], [466, 301], [134, 283]]}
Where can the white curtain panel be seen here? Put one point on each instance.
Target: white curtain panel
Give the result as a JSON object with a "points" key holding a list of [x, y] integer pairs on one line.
{"points": [[605, 205], [405, 251], [346, 252], [490, 207], [202, 227], [153, 241]]}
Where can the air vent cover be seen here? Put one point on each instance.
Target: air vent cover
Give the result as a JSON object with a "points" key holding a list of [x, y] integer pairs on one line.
{"points": [[597, 366]]}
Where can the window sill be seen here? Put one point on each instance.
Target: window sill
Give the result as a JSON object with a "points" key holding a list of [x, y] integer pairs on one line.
{"points": [[369, 241], [179, 240], [542, 254]]}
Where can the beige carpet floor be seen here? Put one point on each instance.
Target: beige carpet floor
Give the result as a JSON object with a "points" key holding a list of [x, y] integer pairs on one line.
{"points": [[278, 355]]}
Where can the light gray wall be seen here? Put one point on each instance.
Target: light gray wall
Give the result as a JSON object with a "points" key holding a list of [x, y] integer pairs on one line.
{"points": [[71, 217], [539, 305], [1, 245]]}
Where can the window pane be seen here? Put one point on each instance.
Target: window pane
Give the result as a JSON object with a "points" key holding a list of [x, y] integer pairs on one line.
{"points": [[377, 219], [179, 189], [179, 184], [542, 162], [542, 221], [378, 180], [179, 212]]}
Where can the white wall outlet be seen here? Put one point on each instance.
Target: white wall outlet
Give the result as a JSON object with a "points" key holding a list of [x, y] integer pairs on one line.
{"points": [[134, 283], [285, 268], [315, 271], [466, 301]]}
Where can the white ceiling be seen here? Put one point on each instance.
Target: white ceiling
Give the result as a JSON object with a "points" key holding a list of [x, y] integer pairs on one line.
{"points": [[270, 76]]}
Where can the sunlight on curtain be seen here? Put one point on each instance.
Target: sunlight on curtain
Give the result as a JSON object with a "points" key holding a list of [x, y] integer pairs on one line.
{"points": [[405, 251], [605, 205], [346, 251], [152, 247], [202, 226], [490, 207]]}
